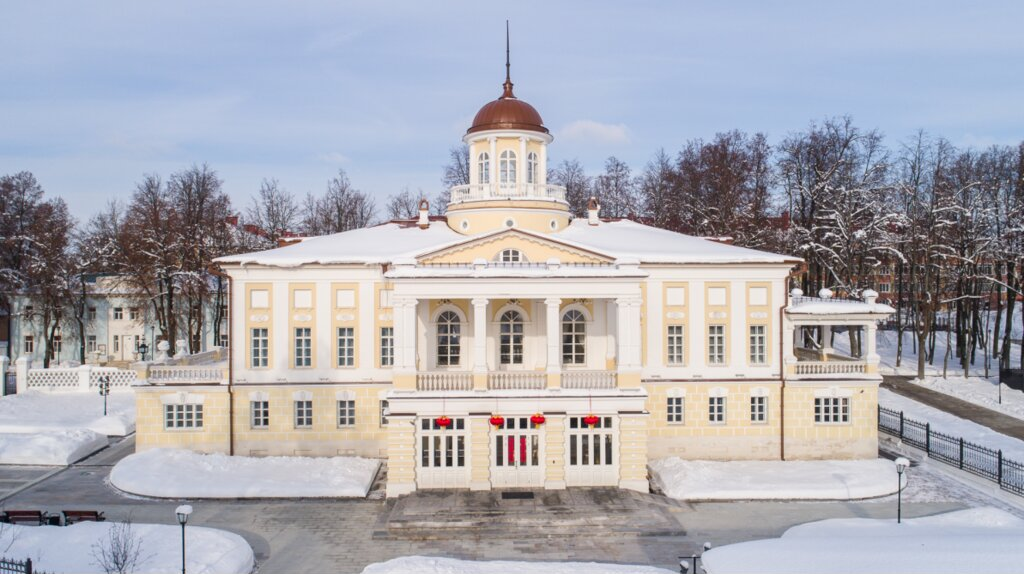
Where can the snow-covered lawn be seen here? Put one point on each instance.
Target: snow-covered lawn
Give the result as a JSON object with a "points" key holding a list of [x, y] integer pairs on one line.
{"points": [[178, 473], [975, 540], [773, 479], [72, 549], [887, 346], [36, 411], [60, 447], [433, 565], [980, 391], [943, 422]]}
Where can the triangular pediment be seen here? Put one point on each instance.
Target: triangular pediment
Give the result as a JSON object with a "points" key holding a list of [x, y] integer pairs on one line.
{"points": [[535, 248]]}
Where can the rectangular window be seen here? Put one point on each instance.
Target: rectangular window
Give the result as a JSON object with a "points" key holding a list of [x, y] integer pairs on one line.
{"points": [[223, 337], [260, 348], [346, 347], [57, 346], [133, 313], [346, 413], [758, 354], [758, 409], [716, 344], [117, 343], [118, 313], [383, 413], [884, 287], [30, 344], [676, 348], [259, 414], [675, 410], [303, 347], [187, 416], [90, 343], [831, 410], [303, 414], [387, 346], [716, 410], [92, 313]]}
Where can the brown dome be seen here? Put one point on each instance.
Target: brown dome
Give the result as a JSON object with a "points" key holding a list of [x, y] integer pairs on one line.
{"points": [[507, 113]]}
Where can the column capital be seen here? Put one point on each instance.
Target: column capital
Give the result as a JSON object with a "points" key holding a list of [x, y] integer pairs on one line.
{"points": [[628, 301], [480, 301], [404, 302], [552, 301]]}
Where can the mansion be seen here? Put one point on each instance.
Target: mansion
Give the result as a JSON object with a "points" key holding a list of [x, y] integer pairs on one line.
{"points": [[507, 344]]}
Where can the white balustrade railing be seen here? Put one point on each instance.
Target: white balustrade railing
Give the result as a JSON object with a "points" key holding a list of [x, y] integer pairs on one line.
{"points": [[118, 378], [84, 378], [444, 381], [54, 379], [831, 367], [184, 374], [588, 380], [483, 191], [517, 380]]}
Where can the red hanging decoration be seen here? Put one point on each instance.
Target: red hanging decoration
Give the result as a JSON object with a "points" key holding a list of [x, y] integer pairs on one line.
{"points": [[537, 420], [443, 421], [591, 420], [497, 420]]}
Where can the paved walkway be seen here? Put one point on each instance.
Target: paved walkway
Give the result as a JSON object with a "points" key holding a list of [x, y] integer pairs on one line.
{"points": [[994, 420]]}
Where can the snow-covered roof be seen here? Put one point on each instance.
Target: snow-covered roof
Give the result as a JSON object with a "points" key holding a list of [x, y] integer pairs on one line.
{"points": [[618, 239], [509, 271], [838, 307]]}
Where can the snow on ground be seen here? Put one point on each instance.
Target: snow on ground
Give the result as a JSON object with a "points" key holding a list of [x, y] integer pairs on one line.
{"points": [[943, 422], [178, 473], [886, 346], [980, 391], [773, 479], [434, 565], [61, 447], [72, 549], [973, 540], [36, 411]]}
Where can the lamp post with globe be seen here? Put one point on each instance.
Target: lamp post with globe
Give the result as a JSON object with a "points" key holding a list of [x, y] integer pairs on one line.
{"points": [[901, 466], [182, 513]]}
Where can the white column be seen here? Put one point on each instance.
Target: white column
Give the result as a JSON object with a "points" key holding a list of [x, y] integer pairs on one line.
{"points": [[480, 336], [542, 177], [84, 377], [474, 172], [521, 165], [494, 179], [21, 367], [628, 333], [405, 335], [552, 334], [871, 351], [611, 327]]}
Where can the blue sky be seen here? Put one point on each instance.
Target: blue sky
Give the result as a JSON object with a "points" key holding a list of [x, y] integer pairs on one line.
{"points": [[95, 94]]}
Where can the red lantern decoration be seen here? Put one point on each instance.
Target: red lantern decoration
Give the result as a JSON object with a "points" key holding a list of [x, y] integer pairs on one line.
{"points": [[443, 422], [591, 420], [497, 420], [537, 420]]}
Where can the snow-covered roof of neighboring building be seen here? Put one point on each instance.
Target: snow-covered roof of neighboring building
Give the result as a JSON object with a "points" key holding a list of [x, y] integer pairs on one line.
{"points": [[398, 240], [838, 307]]}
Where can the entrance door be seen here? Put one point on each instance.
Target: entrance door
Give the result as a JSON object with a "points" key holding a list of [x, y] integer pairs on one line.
{"points": [[441, 457], [592, 457], [517, 451]]}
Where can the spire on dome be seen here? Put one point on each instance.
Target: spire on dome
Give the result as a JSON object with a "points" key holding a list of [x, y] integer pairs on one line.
{"points": [[508, 69]]}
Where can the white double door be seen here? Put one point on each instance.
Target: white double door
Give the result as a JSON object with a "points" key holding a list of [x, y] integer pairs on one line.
{"points": [[442, 457], [517, 454], [591, 453]]}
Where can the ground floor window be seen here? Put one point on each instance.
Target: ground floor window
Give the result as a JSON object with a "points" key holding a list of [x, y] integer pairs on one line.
{"points": [[716, 410], [90, 343], [303, 414], [590, 446], [832, 410], [186, 416], [440, 447], [260, 414], [758, 409], [383, 413], [675, 410], [346, 413]]}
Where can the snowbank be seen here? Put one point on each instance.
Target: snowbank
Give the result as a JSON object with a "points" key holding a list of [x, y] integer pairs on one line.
{"points": [[974, 540], [49, 447], [36, 411], [433, 565], [178, 473], [70, 548], [773, 479]]}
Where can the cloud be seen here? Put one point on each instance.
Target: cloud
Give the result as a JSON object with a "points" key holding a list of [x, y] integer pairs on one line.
{"points": [[333, 157], [589, 130]]}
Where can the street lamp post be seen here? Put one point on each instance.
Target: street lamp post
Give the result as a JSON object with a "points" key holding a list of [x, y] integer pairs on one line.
{"points": [[183, 511], [143, 349], [105, 391], [901, 466]]}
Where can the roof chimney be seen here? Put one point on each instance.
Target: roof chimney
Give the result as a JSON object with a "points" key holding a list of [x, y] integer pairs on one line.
{"points": [[592, 210], [424, 220]]}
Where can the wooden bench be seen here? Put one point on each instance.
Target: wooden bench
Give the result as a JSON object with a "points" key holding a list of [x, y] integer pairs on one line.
{"points": [[27, 517], [76, 516]]}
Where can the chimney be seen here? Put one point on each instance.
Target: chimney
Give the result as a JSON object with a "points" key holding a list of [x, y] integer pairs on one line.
{"points": [[424, 220], [592, 210], [232, 220]]}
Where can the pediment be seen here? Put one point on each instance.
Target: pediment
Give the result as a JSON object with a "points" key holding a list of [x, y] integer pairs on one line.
{"points": [[536, 248]]}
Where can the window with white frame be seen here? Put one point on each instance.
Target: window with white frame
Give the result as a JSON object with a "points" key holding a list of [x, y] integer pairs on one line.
{"points": [[758, 409], [92, 313], [383, 413], [118, 313], [532, 165], [117, 343], [831, 410], [758, 343], [183, 416], [133, 313], [511, 256], [483, 167], [387, 346], [303, 347], [675, 410], [675, 339], [346, 347], [510, 338], [90, 343], [574, 338], [507, 167], [346, 413], [30, 344], [449, 344], [716, 410], [884, 287], [58, 345], [716, 344], [259, 414], [303, 413], [260, 346]]}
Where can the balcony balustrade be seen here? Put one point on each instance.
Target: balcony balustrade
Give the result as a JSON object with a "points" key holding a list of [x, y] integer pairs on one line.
{"points": [[444, 381], [484, 191], [588, 380]]}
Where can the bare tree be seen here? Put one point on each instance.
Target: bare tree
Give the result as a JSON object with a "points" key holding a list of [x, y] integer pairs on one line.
{"points": [[121, 551], [615, 189], [577, 184], [341, 208], [273, 210], [20, 196], [404, 205], [455, 173], [658, 194]]}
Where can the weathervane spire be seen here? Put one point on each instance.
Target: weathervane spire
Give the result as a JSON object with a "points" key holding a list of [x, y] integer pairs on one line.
{"points": [[508, 68]]}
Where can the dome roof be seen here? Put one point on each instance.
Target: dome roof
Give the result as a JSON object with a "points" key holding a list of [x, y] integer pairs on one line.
{"points": [[507, 113]]}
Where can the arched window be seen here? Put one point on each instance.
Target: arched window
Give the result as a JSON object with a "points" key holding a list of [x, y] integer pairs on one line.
{"points": [[511, 256], [483, 167], [449, 329], [574, 338], [507, 166], [531, 168], [511, 338]]}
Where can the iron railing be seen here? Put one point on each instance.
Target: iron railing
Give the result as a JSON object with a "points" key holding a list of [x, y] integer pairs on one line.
{"points": [[9, 566]]}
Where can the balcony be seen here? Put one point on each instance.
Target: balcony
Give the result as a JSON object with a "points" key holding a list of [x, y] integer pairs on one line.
{"points": [[517, 380], [485, 191], [818, 363], [513, 380], [444, 381]]}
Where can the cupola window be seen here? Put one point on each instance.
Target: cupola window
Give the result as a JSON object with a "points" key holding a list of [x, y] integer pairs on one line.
{"points": [[483, 166], [531, 168], [507, 167], [511, 256]]}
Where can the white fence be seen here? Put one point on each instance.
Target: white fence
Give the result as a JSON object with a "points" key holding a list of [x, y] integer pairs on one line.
{"points": [[444, 381], [588, 380], [831, 367], [84, 378], [512, 380]]}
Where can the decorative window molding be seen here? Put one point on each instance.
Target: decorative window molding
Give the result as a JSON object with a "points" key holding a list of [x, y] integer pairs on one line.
{"points": [[344, 299]]}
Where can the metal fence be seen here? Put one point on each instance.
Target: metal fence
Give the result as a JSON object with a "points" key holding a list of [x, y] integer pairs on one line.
{"points": [[8, 566], [954, 451]]}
